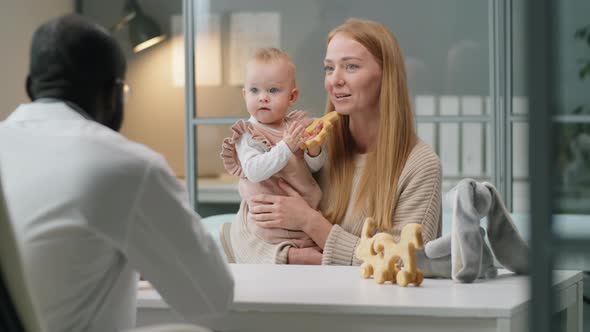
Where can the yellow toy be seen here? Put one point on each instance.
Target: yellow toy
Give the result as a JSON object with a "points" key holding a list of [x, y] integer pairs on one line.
{"points": [[381, 255], [329, 120]]}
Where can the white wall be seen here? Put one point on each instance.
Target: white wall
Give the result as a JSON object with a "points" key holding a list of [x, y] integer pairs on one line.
{"points": [[18, 21]]}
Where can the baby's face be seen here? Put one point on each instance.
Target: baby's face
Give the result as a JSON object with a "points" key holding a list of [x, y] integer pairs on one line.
{"points": [[269, 90]]}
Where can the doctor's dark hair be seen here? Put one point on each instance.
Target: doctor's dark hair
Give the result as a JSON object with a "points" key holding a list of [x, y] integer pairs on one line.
{"points": [[74, 60]]}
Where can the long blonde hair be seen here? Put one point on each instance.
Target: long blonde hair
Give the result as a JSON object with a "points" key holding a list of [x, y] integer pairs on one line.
{"points": [[377, 190]]}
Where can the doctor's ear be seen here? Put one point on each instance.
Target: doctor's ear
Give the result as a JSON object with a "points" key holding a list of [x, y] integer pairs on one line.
{"points": [[109, 106], [117, 97], [29, 87], [293, 96]]}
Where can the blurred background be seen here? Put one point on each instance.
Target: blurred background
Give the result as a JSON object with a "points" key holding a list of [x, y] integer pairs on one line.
{"points": [[467, 66]]}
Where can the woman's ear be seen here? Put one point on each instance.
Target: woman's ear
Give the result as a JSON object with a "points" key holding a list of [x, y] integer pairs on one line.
{"points": [[293, 96]]}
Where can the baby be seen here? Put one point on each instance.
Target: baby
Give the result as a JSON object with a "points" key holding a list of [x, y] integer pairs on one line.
{"points": [[266, 148]]}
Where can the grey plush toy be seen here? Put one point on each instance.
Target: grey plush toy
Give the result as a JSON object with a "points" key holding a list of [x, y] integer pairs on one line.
{"points": [[464, 254]]}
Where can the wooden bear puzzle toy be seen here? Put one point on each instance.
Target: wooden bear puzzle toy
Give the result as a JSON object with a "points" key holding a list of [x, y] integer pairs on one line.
{"points": [[382, 256], [329, 120]]}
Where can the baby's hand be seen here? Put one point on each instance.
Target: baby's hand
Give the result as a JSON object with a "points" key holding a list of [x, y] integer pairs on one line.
{"points": [[314, 151], [293, 136]]}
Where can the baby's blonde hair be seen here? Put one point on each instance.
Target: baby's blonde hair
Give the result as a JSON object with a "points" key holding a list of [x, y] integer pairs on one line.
{"points": [[274, 55]]}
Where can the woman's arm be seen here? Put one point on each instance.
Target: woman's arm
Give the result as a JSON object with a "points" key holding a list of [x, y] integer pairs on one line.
{"points": [[420, 201], [305, 256], [271, 213], [249, 248], [289, 212]]}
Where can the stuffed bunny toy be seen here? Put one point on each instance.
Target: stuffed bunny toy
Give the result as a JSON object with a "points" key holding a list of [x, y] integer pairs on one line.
{"points": [[464, 255]]}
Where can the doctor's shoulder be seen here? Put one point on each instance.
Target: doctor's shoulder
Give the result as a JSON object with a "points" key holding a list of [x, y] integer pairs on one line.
{"points": [[120, 152]]}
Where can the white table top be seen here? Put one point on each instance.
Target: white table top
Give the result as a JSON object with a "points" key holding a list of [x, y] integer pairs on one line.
{"points": [[340, 289]]}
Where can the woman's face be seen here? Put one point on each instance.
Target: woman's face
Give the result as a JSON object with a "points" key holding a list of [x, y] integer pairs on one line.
{"points": [[353, 76]]}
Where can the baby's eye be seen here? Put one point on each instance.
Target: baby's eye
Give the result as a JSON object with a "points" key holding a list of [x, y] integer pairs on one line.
{"points": [[328, 69], [351, 67], [274, 90], [254, 90]]}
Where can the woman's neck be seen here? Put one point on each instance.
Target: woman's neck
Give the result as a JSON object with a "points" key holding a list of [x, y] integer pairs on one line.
{"points": [[364, 128]]}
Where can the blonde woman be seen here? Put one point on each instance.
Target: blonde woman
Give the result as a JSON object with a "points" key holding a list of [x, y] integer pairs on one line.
{"points": [[377, 166]]}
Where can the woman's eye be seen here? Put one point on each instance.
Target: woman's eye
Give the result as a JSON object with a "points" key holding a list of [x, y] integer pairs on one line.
{"points": [[254, 90], [351, 67], [328, 69], [274, 90]]}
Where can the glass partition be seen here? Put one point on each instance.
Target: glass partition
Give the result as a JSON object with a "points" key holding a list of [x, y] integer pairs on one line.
{"points": [[571, 156], [448, 59], [558, 35]]}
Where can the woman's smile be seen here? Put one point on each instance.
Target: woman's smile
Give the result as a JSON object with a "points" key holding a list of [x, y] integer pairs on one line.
{"points": [[342, 96]]}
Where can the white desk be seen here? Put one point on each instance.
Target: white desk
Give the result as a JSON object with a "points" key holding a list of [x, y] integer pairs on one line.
{"points": [[336, 298]]}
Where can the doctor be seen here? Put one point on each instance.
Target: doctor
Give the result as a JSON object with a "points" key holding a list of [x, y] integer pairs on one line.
{"points": [[91, 207]]}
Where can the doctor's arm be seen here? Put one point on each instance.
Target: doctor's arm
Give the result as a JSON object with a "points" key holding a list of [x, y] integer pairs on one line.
{"points": [[170, 247]]}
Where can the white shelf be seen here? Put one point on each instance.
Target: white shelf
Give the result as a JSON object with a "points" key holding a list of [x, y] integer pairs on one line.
{"points": [[218, 191]]}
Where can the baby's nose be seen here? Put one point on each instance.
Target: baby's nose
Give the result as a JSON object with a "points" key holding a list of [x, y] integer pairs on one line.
{"points": [[263, 97]]}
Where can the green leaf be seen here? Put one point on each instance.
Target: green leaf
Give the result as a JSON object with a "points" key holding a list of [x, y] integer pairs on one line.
{"points": [[578, 109]]}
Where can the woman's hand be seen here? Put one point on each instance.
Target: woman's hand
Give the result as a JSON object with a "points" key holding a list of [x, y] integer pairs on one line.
{"points": [[292, 213], [306, 256], [289, 212], [279, 235]]}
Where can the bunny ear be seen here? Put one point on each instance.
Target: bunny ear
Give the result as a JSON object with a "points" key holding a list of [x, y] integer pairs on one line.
{"points": [[466, 239], [506, 243]]}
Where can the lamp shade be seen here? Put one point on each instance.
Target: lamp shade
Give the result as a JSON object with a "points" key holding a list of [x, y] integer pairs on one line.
{"points": [[144, 32]]}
